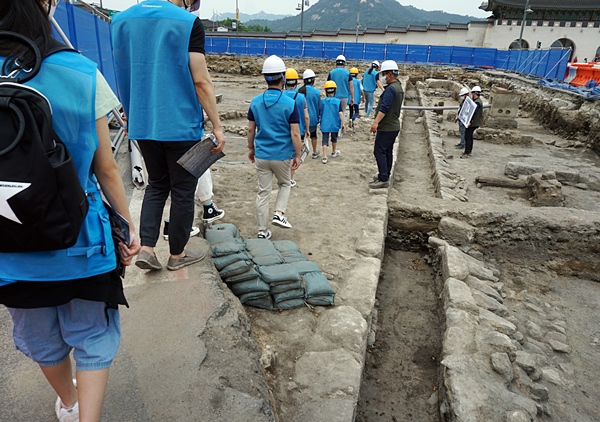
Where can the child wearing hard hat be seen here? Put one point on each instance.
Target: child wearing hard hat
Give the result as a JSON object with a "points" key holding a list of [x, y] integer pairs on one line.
{"points": [[358, 96], [291, 83], [332, 120], [313, 100], [462, 95]]}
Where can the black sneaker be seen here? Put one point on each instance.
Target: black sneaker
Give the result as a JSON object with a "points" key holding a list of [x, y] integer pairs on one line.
{"points": [[212, 213], [265, 235]]}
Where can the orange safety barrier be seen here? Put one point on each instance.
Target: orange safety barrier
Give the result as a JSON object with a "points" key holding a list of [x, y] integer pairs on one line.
{"points": [[584, 72], [596, 73]]}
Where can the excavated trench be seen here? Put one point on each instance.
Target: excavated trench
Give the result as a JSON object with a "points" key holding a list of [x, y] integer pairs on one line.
{"points": [[530, 352]]}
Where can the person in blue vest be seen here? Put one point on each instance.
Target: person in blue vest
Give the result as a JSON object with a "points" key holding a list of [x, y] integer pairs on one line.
{"points": [[358, 95], [291, 84], [67, 300], [165, 86], [332, 120], [386, 125], [370, 83], [341, 77], [313, 100], [274, 145]]}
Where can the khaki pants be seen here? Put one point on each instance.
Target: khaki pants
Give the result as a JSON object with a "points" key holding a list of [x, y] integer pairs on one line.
{"points": [[265, 169]]}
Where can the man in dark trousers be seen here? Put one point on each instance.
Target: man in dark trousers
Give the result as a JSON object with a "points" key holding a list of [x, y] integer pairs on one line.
{"points": [[387, 124], [475, 122], [165, 87]]}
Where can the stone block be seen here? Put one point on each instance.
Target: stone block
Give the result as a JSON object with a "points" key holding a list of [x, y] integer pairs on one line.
{"points": [[361, 285], [502, 365], [456, 231], [490, 304], [477, 269], [559, 346], [517, 416], [454, 264], [567, 176], [525, 360], [592, 180], [493, 341], [344, 327], [332, 373], [458, 295], [477, 284], [496, 322], [515, 169], [544, 193]]}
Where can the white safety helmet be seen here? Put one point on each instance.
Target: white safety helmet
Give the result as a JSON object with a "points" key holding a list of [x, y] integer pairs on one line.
{"points": [[308, 73], [476, 89], [389, 65], [375, 63], [272, 65], [463, 91], [340, 59]]}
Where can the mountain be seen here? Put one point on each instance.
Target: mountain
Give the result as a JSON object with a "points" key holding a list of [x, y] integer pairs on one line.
{"points": [[244, 17], [335, 14]]}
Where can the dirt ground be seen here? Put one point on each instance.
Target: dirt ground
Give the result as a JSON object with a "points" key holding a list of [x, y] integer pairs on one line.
{"points": [[408, 339]]}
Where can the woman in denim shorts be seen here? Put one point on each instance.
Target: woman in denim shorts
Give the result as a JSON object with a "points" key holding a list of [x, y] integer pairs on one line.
{"points": [[66, 300]]}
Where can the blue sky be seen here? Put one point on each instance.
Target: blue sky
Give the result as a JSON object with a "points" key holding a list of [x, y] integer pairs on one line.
{"points": [[461, 7]]}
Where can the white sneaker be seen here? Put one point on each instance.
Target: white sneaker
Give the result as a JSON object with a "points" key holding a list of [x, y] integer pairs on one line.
{"points": [[264, 235], [293, 183], [281, 221], [336, 153], [66, 414]]}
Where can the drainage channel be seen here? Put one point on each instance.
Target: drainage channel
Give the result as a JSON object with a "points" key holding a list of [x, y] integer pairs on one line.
{"points": [[400, 378]]}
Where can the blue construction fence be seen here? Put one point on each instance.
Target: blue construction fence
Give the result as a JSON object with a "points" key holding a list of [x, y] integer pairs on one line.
{"points": [[549, 63], [89, 35]]}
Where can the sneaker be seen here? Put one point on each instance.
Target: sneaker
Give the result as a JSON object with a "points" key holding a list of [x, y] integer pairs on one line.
{"points": [[65, 414], [376, 178], [336, 153], [189, 259], [316, 154], [281, 221], [465, 156], [293, 183], [379, 185], [324, 160], [212, 213], [147, 261], [459, 146], [264, 235], [194, 232]]}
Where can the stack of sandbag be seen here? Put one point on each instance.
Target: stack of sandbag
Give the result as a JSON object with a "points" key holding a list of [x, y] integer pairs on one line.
{"points": [[233, 263], [265, 274]]}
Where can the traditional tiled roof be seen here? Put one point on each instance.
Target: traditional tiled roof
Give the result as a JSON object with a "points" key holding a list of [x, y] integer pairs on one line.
{"points": [[417, 28], [547, 4], [397, 29], [464, 26]]}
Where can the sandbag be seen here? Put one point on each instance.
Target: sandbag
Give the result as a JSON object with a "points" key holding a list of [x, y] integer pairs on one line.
{"points": [[236, 268], [256, 285], [282, 273], [223, 261]]}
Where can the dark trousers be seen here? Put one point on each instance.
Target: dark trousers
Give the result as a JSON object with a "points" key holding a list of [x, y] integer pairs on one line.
{"points": [[469, 139], [383, 152], [353, 111], [167, 177]]}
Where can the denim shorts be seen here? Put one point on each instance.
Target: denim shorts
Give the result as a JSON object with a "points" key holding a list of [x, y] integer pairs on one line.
{"points": [[47, 335], [313, 132], [325, 139]]}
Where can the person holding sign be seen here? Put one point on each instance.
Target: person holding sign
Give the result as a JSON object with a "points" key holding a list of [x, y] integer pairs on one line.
{"points": [[475, 109]]}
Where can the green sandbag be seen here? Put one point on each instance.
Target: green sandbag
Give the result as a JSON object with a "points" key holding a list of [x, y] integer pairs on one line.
{"points": [[262, 302], [281, 273], [290, 304], [268, 259], [226, 227], [285, 246], [325, 300], [256, 285], [316, 284], [236, 268], [284, 287], [290, 294], [223, 261], [258, 244], [290, 257], [304, 267], [261, 249], [251, 274], [226, 248], [216, 236], [253, 295]]}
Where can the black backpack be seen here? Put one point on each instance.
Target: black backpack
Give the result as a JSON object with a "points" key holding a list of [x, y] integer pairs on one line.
{"points": [[42, 203]]}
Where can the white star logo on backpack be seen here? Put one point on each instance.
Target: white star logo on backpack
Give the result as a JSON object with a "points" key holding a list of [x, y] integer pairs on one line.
{"points": [[7, 191]]}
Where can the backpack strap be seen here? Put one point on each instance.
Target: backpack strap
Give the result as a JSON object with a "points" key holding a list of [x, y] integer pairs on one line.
{"points": [[56, 47]]}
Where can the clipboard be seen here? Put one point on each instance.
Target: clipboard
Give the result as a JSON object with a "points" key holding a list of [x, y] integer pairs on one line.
{"points": [[198, 158]]}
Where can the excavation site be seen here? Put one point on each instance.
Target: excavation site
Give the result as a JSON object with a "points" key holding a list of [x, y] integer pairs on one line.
{"points": [[468, 290]]}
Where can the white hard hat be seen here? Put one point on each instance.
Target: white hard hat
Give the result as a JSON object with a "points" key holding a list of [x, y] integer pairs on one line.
{"points": [[340, 58], [389, 65], [476, 89], [273, 64], [308, 73], [375, 63], [463, 91]]}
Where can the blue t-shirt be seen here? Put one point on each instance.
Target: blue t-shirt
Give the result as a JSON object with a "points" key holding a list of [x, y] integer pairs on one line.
{"points": [[273, 114], [370, 80]]}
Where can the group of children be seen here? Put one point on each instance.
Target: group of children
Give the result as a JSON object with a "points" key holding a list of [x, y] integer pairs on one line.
{"points": [[328, 112]]}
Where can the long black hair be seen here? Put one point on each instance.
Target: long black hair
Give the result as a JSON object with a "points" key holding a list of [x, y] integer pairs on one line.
{"points": [[28, 18]]}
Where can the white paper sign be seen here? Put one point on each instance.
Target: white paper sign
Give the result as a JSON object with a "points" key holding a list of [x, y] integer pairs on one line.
{"points": [[466, 112]]}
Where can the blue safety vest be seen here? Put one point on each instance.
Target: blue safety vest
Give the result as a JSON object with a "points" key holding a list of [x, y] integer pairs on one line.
{"points": [[300, 100], [341, 77], [330, 115], [370, 81], [357, 91], [150, 47], [313, 100], [68, 81]]}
